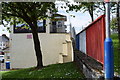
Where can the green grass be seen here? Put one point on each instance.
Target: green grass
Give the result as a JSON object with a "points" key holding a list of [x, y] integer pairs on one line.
{"points": [[116, 52], [66, 70]]}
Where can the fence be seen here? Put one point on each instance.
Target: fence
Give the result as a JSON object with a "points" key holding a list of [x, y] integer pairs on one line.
{"points": [[91, 39]]}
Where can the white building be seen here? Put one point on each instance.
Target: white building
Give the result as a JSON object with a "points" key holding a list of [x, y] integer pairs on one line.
{"points": [[55, 47]]}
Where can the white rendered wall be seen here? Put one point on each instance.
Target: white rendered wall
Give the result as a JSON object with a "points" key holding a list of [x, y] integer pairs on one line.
{"points": [[22, 49], [82, 42]]}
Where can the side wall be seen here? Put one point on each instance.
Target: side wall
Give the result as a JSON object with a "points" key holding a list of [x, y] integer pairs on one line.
{"points": [[22, 49], [82, 43], [91, 39], [77, 41], [95, 36]]}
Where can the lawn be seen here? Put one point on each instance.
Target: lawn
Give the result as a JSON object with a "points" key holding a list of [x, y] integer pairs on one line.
{"points": [[116, 52], [57, 71]]}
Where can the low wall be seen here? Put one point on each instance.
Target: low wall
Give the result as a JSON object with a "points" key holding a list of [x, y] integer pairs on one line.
{"points": [[89, 66]]}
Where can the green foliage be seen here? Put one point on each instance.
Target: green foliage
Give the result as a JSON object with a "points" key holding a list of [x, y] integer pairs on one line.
{"points": [[113, 23], [83, 6], [26, 12], [116, 52], [66, 70]]}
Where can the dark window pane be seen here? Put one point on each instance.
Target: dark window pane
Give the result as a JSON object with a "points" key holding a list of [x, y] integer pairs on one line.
{"points": [[23, 28]]}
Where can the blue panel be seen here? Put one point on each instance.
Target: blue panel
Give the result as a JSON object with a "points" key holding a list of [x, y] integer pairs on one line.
{"points": [[77, 41]]}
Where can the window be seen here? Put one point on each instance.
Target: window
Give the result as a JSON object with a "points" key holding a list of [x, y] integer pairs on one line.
{"points": [[3, 44], [24, 28], [53, 27], [59, 24], [8, 57], [54, 23]]}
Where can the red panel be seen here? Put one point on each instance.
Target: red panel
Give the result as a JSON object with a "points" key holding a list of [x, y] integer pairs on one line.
{"points": [[95, 36]]}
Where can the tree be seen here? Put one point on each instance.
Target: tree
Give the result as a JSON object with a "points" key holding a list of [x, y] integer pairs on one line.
{"points": [[118, 20], [91, 7], [29, 12], [113, 23], [84, 6]]}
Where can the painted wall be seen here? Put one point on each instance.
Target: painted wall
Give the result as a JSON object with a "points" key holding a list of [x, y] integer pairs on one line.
{"points": [[95, 36], [77, 41], [91, 39], [82, 43], [23, 54]]}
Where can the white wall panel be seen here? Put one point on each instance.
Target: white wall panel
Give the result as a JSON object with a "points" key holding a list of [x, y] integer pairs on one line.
{"points": [[82, 42]]}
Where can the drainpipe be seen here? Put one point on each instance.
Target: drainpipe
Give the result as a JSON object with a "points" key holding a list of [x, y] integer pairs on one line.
{"points": [[108, 54]]}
